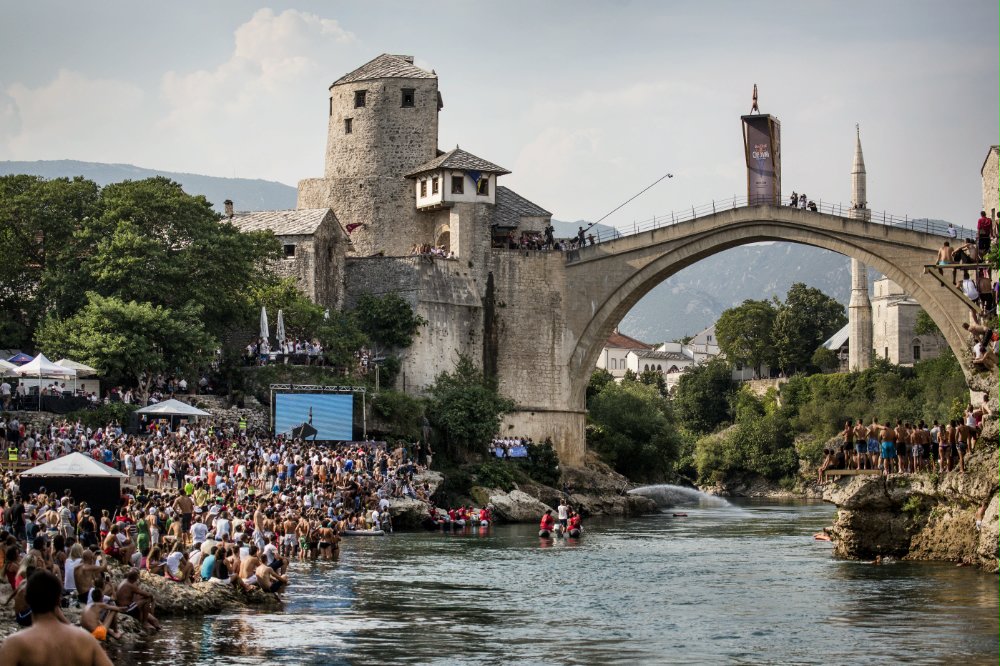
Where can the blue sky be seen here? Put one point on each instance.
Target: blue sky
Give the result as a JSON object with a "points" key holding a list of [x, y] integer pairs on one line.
{"points": [[586, 102]]}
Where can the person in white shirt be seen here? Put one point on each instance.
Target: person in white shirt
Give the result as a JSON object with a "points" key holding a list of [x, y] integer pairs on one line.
{"points": [[199, 530]]}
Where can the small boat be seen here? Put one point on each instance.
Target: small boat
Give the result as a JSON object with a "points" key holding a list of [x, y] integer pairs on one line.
{"points": [[575, 533], [363, 533], [545, 534], [680, 515]]}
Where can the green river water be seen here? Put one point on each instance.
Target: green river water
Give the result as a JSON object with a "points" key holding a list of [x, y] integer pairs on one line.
{"points": [[742, 583]]}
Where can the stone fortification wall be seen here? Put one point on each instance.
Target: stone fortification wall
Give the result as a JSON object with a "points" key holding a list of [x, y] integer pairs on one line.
{"points": [[365, 174], [531, 335], [446, 293]]}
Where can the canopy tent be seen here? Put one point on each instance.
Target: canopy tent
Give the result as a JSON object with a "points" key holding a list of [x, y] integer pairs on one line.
{"points": [[81, 369], [42, 367], [172, 408], [86, 479], [19, 358], [7, 369]]}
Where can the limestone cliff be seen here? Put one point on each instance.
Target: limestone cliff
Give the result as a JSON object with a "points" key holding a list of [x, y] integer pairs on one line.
{"points": [[923, 516]]}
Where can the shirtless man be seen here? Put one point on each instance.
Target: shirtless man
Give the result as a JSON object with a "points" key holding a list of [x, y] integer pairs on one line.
{"points": [[861, 443], [184, 506], [86, 575], [49, 640], [91, 617], [268, 579], [962, 436], [302, 533], [888, 436], [137, 603], [902, 447], [945, 440], [248, 566], [874, 444]]}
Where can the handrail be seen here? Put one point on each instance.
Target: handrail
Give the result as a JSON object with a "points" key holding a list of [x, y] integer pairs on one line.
{"points": [[924, 225]]}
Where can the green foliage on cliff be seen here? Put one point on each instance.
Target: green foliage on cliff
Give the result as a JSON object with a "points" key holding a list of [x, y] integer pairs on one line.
{"points": [[633, 430], [400, 411], [702, 396], [465, 408], [387, 320]]}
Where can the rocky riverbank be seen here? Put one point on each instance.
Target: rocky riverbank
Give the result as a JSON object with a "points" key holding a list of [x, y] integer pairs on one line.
{"points": [[171, 599]]}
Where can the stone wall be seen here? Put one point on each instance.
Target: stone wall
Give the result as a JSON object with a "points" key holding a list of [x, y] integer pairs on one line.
{"points": [[991, 178]]}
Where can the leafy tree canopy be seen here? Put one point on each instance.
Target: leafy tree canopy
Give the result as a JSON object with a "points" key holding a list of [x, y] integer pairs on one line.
{"points": [[465, 407], [804, 321], [744, 333], [702, 396], [387, 320], [129, 339]]}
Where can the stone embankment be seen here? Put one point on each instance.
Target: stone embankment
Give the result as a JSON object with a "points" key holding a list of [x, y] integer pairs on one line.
{"points": [[927, 516], [171, 599]]}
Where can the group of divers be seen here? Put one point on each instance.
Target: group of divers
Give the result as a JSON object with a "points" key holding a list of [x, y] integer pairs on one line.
{"points": [[568, 524]]}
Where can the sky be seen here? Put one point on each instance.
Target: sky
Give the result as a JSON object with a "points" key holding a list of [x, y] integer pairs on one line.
{"points": [[587, 103]]}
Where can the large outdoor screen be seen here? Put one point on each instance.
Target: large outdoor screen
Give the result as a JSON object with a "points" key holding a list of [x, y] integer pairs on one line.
{"points": [[314, 416]]}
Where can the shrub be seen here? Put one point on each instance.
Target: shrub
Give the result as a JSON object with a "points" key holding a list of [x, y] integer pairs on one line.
{"points": [[102, 415], [542, 463], [495, 474]]}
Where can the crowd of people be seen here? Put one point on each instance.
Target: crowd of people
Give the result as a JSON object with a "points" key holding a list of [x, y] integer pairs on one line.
{"points": [[431, 250], [200, 503], [509, 447], [904, 447], [291, 351], [802, 201]]}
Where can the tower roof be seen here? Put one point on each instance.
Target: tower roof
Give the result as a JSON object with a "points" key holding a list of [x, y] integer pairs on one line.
{"points": [[458, 159], [386, 66], [859, 158]]}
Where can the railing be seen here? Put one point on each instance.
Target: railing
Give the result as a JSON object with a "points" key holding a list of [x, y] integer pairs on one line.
{"points": [[924, 225]]}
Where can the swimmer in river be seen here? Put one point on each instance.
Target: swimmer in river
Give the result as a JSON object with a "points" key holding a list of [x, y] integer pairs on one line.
{"points": [[50, 640]]}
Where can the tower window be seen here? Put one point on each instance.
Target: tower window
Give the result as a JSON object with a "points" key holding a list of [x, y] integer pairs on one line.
{"points": [[457, 183], [483, 186], [423, 187], [331, 106], [409, 97], [348, 125], [288, 251], [916, 352], [359, 98], [434, 185]]}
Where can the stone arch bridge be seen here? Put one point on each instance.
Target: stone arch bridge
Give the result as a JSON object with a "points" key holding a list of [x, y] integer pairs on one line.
{"points": [[548, 342]]}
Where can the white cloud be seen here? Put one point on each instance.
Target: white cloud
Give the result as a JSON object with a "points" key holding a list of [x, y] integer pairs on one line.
{"points": [[73, 117]]}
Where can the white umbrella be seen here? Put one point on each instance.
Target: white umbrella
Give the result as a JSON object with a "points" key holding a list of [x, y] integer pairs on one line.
{"points": [[265, 332], [279, 334]]}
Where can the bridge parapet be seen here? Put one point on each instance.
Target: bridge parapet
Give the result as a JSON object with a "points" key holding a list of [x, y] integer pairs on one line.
{"points": [[924, 225]]}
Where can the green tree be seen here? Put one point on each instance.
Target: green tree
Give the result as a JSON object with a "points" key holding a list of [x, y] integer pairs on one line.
{"points": [[388, 321], [41, 267], [599, 378], [745, 334], [701, 400], [924, 325], [154, 242], [465, 408], [803, 322], [129, 340], [825, 359], [634, 431], [654, 378]]}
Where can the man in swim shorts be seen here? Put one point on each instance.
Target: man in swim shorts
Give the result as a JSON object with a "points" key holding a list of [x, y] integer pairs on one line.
{"points": [[888, 448]]}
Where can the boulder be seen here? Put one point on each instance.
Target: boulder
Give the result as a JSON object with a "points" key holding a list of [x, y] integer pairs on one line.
{"points": [[516, 506], [408, 513]]}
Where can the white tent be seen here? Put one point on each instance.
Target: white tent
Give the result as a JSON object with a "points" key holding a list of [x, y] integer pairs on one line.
{"points": [[74, 464], [42, 367], [7, 369], [81, 369], [172, 408]]}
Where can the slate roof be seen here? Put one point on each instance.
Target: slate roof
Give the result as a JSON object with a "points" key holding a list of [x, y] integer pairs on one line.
{"points": [[511, 207], [301, 222], [458, 159], [621, 341], [838, 339], [386, 66], [660, 355]]}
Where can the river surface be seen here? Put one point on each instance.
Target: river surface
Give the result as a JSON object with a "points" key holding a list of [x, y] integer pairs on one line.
{"points": [[741, 584]]}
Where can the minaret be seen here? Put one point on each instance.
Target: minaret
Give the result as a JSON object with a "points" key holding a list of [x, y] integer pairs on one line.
{"points": [[860, 309]]}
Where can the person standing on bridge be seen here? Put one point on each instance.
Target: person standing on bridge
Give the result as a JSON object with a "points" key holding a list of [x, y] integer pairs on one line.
{"points": [[985, 229]]}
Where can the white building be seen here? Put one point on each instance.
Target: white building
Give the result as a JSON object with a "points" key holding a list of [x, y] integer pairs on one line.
{"points": [[894, 317], [616, 349]]}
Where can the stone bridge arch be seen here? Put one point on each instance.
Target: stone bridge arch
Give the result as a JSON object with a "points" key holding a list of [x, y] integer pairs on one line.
{"points": [[601, 283]]}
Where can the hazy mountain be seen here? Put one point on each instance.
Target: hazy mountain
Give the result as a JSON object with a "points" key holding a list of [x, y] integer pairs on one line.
{"points": [[246, 193], [684, 304]]}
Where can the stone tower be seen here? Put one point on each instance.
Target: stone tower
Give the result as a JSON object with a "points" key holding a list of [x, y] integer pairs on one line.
{"points": [[860, 309], [383, 123]]}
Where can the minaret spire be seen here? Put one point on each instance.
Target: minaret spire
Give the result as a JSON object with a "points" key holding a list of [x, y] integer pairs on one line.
{"points": [[860, 309]]}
